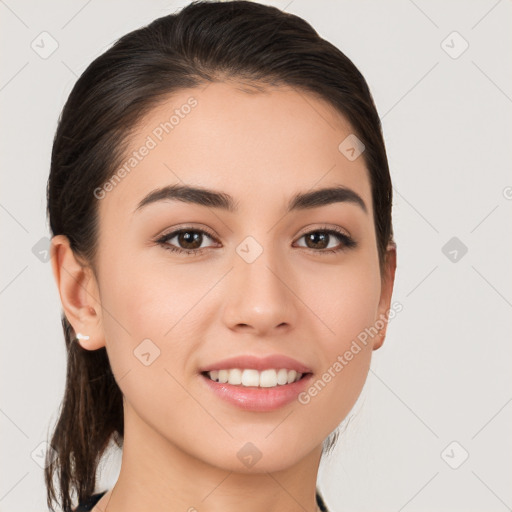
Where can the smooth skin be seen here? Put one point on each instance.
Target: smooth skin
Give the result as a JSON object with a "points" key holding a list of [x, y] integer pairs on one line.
{"points": [[181, 440]]}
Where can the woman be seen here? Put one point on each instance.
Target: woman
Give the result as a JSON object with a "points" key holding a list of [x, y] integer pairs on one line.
{"points": [[220, 205]]}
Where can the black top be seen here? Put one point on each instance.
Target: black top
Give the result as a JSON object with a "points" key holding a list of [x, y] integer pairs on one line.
{"points": [[89, 503]]}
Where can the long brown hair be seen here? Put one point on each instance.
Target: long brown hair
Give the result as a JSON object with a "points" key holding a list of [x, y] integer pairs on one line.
{"points": [[206, 41]]}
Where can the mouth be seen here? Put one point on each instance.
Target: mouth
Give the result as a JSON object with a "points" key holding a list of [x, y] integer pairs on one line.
{"points": [[256, 383], [251, 378], [256, 391]]}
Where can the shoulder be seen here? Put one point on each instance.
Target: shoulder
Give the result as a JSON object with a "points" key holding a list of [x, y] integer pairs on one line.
{"points": [[88, 503], [320, 502]]}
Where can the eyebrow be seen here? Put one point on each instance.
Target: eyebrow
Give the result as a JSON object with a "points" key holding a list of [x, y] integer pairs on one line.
{"points": [[213, 199]]}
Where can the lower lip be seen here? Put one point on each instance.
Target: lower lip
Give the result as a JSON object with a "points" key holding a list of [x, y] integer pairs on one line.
{"points": [[256, 398]]}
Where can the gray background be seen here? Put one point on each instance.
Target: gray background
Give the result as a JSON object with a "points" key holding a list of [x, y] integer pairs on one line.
{"points": [[440, 388]]}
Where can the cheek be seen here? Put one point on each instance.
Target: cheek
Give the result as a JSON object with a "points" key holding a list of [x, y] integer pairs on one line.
{"points": [[332, 393], [347, 305], [151, 315], [133, 316], [344, 299], [147, 354], [147, 296]]}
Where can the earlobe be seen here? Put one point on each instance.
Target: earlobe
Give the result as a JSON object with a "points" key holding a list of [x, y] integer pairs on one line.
{"points": [[380, 339], [78, 292]]}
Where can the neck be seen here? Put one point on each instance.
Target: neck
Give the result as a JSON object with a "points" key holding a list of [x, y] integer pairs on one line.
{"points": [[158, 475]]}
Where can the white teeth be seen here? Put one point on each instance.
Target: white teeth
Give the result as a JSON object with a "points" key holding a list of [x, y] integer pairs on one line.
{"points": [[250, 377], [282, 376], [235, 377], [268, 379], [253, 378]]}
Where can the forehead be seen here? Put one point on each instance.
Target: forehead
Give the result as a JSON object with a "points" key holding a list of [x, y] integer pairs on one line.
{"points": [[261, 147]]}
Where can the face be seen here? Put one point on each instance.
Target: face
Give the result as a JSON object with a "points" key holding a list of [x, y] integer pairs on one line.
{"points": [[259, 281]]}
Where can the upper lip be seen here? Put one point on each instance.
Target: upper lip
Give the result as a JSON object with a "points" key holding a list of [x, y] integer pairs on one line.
{"points": [[258, 363]]}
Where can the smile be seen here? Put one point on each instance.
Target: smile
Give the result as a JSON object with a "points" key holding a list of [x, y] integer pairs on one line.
{"points": [[251, 394], [253, 378]]}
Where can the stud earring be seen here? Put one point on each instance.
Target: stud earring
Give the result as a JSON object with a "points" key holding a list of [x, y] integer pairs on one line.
{"points": [[80, 336]]}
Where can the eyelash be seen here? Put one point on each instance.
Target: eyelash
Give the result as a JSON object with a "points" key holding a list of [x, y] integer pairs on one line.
{"points": [[346, 241]]}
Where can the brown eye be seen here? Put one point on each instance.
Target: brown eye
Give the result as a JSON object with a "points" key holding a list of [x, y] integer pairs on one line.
{"points": [[320, 240], [188, 241]]}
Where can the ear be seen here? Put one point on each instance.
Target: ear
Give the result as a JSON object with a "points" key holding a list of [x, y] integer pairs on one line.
{"points": [[79, 293], [388, 280]]}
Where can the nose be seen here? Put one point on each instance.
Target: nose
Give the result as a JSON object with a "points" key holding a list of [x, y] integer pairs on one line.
{"points": [[260, 296]]}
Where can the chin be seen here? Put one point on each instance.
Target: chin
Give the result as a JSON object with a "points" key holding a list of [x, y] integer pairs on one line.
{"points": [[262, 455]]}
